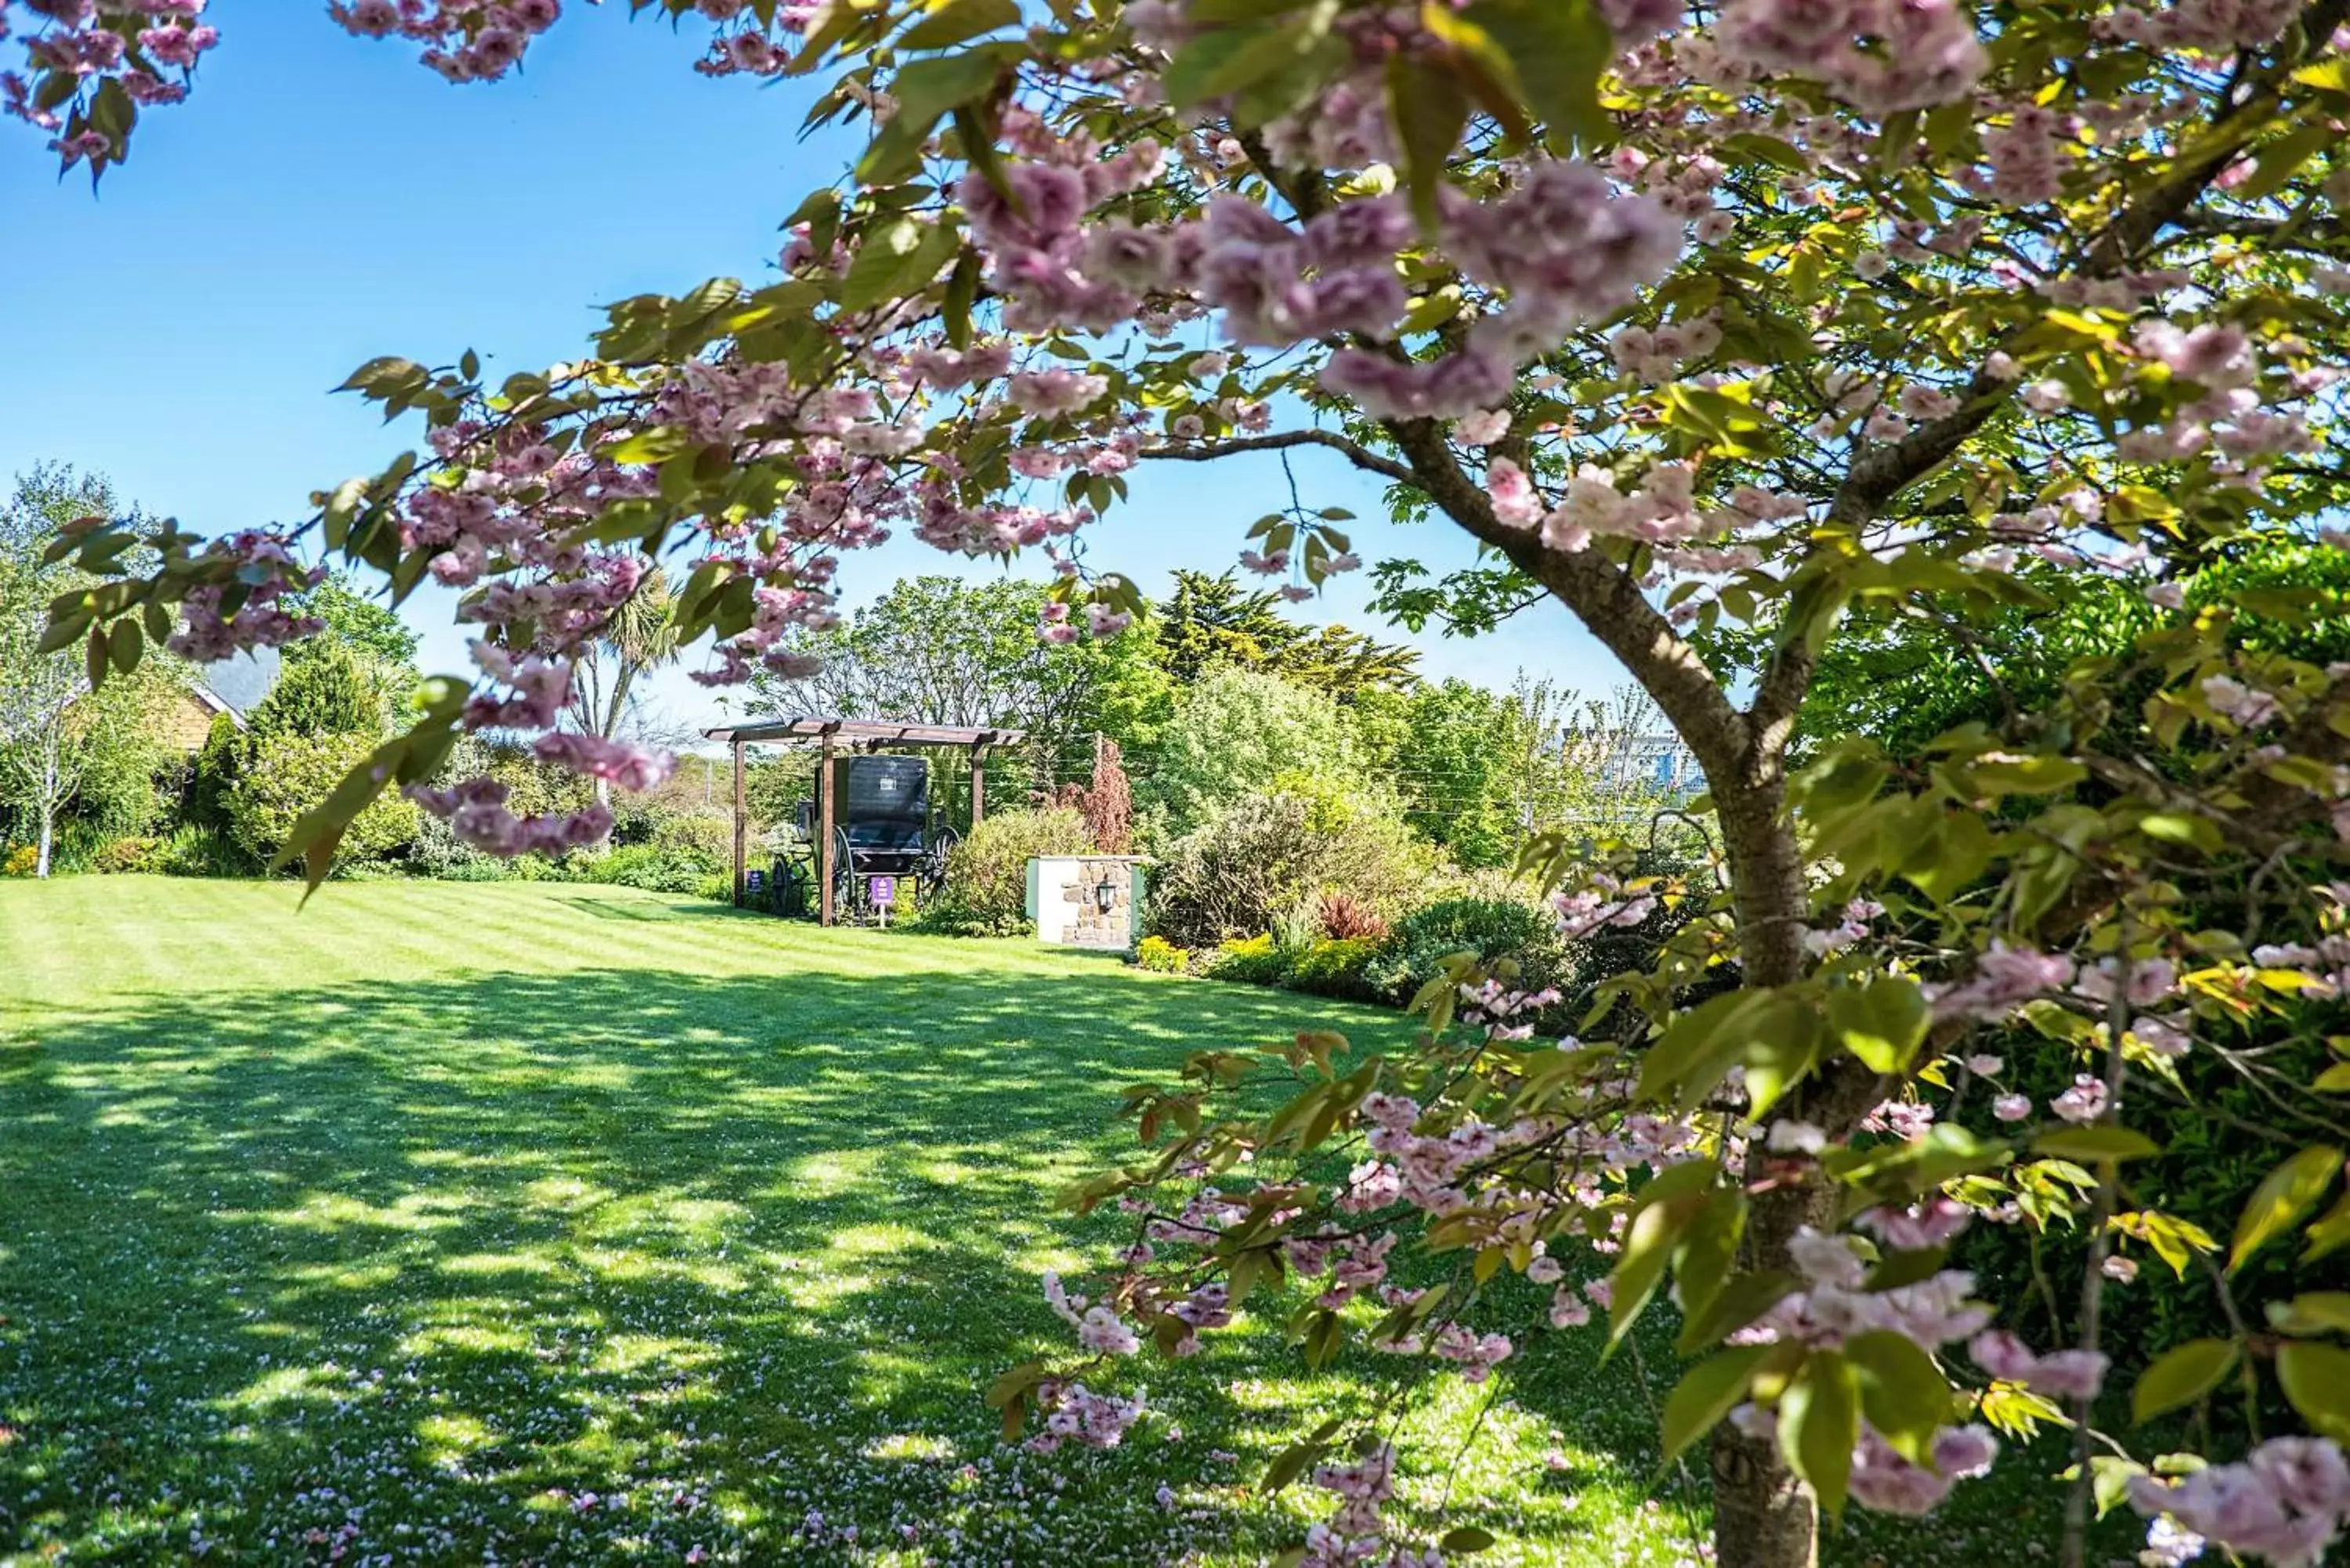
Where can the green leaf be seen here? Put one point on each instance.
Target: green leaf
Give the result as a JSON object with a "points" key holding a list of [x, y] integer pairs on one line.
{"points": [[925, 91], [898, 259], [2284, 1196], [2100, 1141], [1882, 1023], [2282, 158], [1742, 1299], [1666, 1206], [2312, 1312], [2330, 1233], [1706, 1393], [124, 647], [1555, 50], [1708, 1247], [2181, 1376], [1428, 108], [2334, 1080], [1819, 1424], [2026, 776], [1466, 1538], [1902, 1392], [1229, 60], [2316, 1378], [958, 22]]}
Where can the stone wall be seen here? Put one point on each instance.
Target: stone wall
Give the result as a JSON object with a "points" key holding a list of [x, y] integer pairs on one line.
{"points": [[1091, 926]]}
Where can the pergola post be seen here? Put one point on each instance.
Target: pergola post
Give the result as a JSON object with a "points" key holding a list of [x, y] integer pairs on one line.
{"points": [[742, 828], [978, 782], [823, 814]]}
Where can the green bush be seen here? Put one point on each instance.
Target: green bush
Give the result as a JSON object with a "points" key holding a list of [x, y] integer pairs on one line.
{"points": [[22, 861], [193, 851], [1252, 960], [1159, 954], [125, 855], [440, 854], [1338, 967], [986, 890], [325, 688], [285, 775], [1492, 929], [1265, 857]]}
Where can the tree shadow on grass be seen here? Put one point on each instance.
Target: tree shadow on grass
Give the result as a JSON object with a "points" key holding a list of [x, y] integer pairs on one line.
{"points": [[395, 1266], [420, 1267]]}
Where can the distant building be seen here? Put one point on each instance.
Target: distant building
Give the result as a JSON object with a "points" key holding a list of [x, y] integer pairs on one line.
{"points": [[1653, 762], [233, 686]]}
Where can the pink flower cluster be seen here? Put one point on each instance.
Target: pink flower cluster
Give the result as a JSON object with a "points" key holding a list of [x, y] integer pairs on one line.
{"points": [[1934, 1312], [1602, 901], [465, 43], [1881, 55], [1099, 1329], [1883, 1481], [86, 44], [2005, 979], [476, 812], [209, 632], [2064, 1374], [2285, 1502], [1075, 1414]]}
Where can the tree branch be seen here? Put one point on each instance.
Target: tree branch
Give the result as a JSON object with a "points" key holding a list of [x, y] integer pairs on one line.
{"points": [[1603, 596], [1361, 456]]}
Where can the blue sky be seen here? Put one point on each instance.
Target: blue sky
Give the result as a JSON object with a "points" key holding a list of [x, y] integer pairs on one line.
{"points": [[321, 200]]}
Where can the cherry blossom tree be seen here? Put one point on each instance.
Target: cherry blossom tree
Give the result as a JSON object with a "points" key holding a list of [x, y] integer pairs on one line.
{"points": [[1743, 321]]}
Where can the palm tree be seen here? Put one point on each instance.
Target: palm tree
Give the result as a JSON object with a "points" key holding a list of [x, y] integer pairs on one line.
{"points": [[641, 636]]}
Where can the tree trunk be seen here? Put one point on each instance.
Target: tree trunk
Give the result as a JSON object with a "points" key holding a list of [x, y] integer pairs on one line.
{"points": [[49, 805], [1763, 1517]]}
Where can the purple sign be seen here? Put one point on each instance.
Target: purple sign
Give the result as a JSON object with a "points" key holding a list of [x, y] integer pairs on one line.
{"points": [[882, 890]]}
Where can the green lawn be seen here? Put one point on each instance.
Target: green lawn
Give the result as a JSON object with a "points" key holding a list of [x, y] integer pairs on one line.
{"points": [[438, 1222]]}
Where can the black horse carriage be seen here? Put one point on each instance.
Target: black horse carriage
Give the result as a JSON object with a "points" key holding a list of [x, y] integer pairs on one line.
{"points": [[872, 829], [885, 839]]}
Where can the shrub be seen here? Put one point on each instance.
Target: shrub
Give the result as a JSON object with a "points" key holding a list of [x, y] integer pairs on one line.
{"points": [[1159, 954], [440, 854], [986, 890], [1338, 967], [193, 850], [1264, 856], [23, 861], [1234, 732], [124, 855], [651, 868], [1254, 961], [1490, 927], [325, 688], [285, 775], [1345, 917]]}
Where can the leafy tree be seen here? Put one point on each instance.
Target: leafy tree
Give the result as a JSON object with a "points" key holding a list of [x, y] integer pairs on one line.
{"points": [[1791, 323], [1211, 620], [355, 621], [939, 650], [1236, 732], [64, 747], [333, 689], [640, 637]]}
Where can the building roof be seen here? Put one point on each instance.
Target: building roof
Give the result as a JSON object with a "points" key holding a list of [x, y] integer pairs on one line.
{"points": [[868, 732], [236, 685]]}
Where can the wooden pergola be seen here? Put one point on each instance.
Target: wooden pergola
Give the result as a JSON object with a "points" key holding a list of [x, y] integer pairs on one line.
{"points": [[831, 737]]}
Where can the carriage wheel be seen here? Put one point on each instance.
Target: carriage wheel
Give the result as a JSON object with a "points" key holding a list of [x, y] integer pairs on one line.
{"points": [[934, 861], [844, 878]]}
